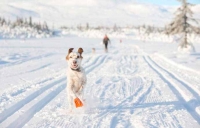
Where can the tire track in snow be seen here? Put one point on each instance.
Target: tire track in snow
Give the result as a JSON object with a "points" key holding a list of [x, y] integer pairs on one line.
{"points": [[172, 86], [23, 119]]}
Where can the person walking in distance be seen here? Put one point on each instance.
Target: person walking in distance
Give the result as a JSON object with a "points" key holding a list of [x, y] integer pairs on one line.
{"points": [[105, 42]]}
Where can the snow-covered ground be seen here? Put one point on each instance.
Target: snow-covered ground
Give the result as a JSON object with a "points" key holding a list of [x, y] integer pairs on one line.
{"points": [[137, 84], [141, 82]]}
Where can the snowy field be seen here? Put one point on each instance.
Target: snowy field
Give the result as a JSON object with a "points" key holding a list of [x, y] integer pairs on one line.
{"points": [[136, 85]]}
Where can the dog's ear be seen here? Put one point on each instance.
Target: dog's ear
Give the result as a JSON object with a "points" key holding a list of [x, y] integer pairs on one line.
{"points": [[80, 50], [69, 51]]}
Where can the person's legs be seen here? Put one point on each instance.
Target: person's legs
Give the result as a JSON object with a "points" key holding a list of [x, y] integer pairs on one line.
{"points": [[106, 47]]}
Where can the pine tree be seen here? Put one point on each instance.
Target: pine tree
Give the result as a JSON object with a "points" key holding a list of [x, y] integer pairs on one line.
{"points": [[45, 26], [79, 27], [115, 28], [87, 26], [182, 23], [30, 22], [25, 22], [3, 21]]}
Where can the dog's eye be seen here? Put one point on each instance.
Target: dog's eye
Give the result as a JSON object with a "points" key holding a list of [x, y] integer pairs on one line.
{"points": [[77, 56], [70, 57]]}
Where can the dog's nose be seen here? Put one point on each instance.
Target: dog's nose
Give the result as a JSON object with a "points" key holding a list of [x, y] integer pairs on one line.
{"points": [[74, 62]]}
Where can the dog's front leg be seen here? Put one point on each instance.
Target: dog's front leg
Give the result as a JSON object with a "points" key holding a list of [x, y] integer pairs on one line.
{"points": [[70, 94], [82, 88]]}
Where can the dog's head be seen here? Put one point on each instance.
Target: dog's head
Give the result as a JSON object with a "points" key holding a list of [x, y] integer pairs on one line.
{"points": [[74, 58]]}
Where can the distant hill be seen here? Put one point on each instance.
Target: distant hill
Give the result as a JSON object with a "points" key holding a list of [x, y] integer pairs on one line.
{"points": [[94, 12]]}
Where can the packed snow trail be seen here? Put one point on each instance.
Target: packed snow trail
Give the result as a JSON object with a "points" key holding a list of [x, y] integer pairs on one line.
{"points": [[126, 88], [30, 112], [177, 91]]}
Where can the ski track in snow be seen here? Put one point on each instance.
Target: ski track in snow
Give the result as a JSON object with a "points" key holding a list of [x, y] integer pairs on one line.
{"points": [[189, 106], [124, 89], [18, 105]]}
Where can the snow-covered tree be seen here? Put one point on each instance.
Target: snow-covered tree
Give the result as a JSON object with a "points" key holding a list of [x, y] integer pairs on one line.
{"points": [[115, 28], [30, 21], [25, 22], [183, 23], [79, 27], [45, 26], [2, 21], [22, 28], [87, 26]]}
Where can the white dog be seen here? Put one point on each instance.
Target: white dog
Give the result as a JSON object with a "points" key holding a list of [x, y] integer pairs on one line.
{"points": [[76, 77]]}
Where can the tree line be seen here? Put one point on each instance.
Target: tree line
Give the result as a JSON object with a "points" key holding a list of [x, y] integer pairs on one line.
{"points": [[24, 22]]}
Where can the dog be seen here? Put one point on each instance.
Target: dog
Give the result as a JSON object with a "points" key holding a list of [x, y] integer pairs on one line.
{"points": [[76, 77], [93, 50]]}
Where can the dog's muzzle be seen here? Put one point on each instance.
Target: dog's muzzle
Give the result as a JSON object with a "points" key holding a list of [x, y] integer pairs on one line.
{"points": [[74, 65]]}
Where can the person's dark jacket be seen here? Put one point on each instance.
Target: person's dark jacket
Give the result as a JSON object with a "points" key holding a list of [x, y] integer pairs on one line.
{"points": [[105, 40]]}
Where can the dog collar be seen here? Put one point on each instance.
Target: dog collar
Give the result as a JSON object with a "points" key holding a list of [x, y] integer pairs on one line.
{"points": [[78, 69]]}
